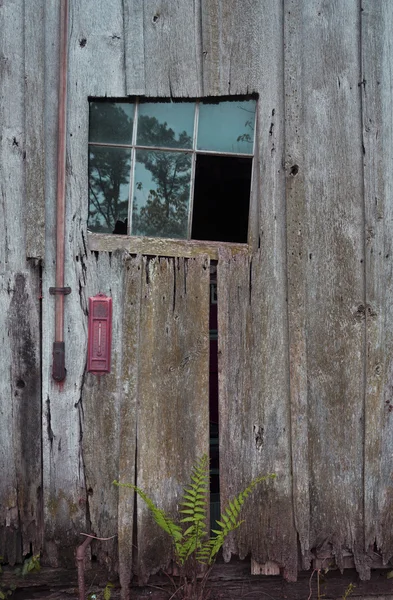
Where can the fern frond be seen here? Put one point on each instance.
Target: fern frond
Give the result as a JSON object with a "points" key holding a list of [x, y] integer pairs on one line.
{"points": [[228, 522], [160, 517], [194, 508], [191, 537]]}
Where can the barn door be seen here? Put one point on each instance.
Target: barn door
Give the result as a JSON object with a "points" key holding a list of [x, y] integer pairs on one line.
{"points": [[172, 426]]}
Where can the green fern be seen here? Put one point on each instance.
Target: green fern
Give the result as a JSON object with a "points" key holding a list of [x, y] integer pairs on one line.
{"points": [[162, 519], [107, 591], [190, 538], [194, 503], [228, 522]]}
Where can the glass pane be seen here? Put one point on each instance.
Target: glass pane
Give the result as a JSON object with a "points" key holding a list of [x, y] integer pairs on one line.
{"points": [[109, 177], [166, 124], [227, 126], [161, 193], [111, 122]]}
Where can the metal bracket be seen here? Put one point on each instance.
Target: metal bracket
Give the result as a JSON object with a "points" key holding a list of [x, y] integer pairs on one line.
{"points": [[58, 368], [59, 290]]}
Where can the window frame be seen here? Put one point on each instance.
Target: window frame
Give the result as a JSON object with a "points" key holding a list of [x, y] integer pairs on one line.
{"points": [[162, 246]]}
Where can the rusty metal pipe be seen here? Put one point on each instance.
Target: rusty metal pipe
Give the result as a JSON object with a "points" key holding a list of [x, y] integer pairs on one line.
{"points": [[58, 369], [80, 563]]}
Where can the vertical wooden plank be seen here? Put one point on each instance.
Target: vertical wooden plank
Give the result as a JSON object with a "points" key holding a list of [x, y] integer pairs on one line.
{"points": [[96, 49], [227, 31], [34, 24], [96, 68], [128, 418], [173, 410], [23, 328], [134, 47], [376, 85], [10, 535], [20, 409], [20, 459], [48, 278], [172, 48], [297, 259], [239, 48], [334, 279], [12, 140], [100, 405], [254, 413]]}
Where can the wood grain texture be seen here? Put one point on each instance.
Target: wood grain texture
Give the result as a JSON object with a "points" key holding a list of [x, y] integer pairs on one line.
{"points": [[20, 393], [34, 59], [377, 73], [10, 539], [240, 47], [52, 479], [12, 139], [96, 63], [134, 47], [172, 48], [292, 381], [20, 409], [128, 418], [173, 408], [160, 246], [254, 413], [101, 397], [297, 258], [25, 394], [334, 278]]}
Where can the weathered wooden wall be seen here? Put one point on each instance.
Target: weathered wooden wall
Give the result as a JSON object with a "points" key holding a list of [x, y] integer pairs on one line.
{"points": [[304, 318], [21, 213], [326, 282], [376, 86]]}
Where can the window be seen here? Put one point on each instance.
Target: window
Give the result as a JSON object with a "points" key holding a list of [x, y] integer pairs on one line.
{"points": [[171, 169]]}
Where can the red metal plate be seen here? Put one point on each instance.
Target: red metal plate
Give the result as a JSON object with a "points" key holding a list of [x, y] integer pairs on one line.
{"points": [[99, 334]]}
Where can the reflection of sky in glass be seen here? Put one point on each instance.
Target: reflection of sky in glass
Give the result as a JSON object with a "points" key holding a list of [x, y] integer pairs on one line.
{"points": [[166, 124], [111, 122], [161, 185], [227, 126], [109, 175], [161, 194]]}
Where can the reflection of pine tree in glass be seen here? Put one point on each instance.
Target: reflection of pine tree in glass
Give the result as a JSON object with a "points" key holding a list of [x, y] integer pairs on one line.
{"points": [[166, 210], [109, 168]]}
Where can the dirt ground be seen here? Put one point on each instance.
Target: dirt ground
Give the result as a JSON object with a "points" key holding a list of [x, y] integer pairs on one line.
{"points": [[228, 582]]}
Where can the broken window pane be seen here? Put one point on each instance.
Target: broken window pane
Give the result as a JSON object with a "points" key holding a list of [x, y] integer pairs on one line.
{"points": [[173, 148], [221, 198], [109, 176], [227, 126], [166, 124], [111, 122], [161, 194]]}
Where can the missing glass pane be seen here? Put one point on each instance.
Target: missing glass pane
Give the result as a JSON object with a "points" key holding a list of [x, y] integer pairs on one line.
{"points": [[227, 126], [221, 198]]}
